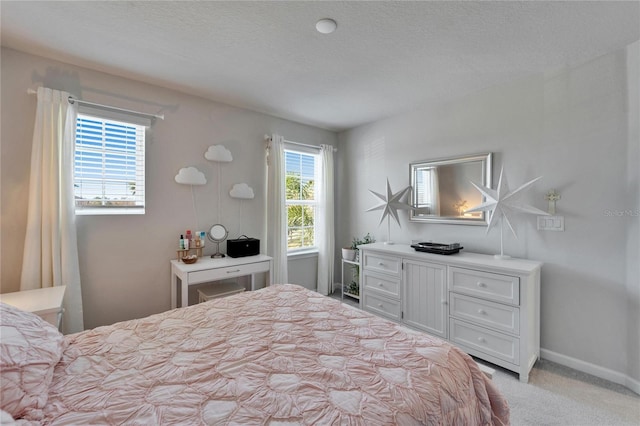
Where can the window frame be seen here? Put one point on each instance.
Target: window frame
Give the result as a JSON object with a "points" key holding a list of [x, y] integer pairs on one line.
{"points": [[315, 203], [108, 118]]}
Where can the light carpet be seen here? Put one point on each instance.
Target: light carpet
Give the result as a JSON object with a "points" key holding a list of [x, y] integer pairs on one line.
{"points": [[557, 395]]}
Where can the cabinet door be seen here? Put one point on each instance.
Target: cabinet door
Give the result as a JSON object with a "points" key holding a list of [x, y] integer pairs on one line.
{"points": [[424, 297]]}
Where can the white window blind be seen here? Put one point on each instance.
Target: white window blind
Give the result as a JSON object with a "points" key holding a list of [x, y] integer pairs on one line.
{"points": [[109, 172]]}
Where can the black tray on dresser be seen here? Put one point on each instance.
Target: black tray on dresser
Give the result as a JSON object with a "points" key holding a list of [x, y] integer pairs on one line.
{"points": [[437, 248]]}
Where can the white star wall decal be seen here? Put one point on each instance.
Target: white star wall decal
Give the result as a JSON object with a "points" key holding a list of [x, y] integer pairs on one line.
{"points": [[503, 203], [390, 205]]}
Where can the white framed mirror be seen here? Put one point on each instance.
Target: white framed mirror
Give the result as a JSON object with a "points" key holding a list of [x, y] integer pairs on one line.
{"points": [[441, 189], [218, 233]]}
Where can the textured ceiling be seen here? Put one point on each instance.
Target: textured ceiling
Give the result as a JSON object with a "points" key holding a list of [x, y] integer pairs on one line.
{"points": [[384, 59]]}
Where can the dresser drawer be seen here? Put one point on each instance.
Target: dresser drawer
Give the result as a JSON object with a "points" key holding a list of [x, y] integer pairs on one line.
{"points": [[490, 286], [483, 312], [382, 283], [380, 263], [502, 346], [382, 306]]}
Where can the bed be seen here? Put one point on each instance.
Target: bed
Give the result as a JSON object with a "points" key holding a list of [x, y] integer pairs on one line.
{"points": [[282, 355]]}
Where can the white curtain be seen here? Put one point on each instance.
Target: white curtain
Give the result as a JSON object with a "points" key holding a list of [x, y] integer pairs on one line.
{"points": [[51, 250], [276, 210], [325, 230]]}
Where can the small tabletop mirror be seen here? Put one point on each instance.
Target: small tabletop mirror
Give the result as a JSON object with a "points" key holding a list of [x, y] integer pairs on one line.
{"points": [[218, 233]]}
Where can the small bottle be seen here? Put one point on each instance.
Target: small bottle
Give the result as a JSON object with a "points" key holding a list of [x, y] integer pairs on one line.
{"points": [[189, 239], [181, 242], [202, 238]]}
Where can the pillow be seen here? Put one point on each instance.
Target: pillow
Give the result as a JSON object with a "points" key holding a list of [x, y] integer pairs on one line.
{"points": [[6, 419], [30, 348]]}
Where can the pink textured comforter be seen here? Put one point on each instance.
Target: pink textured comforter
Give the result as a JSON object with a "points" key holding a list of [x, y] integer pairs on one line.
{"points": [[280, 355]]}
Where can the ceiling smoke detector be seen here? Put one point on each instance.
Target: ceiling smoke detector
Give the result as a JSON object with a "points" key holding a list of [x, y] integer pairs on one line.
{"points": [[326, 26]]}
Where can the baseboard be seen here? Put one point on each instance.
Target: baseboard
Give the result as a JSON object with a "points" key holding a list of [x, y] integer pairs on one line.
{"points": [[594, 370]]}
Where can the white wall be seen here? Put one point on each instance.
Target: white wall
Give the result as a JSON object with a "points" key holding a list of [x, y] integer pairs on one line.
{"points": [[569, 127], [124, 260], [633, 240], [303, 270]]}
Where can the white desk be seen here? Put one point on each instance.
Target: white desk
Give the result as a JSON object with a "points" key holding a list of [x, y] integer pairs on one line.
{"points": [[44, 302], [207, 269]]}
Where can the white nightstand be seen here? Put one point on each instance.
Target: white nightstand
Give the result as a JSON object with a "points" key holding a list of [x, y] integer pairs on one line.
{"points": [[44, 302]]}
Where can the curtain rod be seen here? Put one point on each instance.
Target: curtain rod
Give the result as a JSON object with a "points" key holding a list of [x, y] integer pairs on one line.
{"points": [[268, 138], [81, 102]]}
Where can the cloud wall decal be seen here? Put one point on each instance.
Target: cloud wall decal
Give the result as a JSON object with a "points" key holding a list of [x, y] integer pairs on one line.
{"points": [[218, 153], [241, 190], [190, 176]]}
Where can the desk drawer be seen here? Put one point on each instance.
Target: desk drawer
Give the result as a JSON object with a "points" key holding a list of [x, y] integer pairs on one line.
{"points": [[489, 342], [385, 264], [382, 306], [228, 272], [382, 284], [482, 312], [487, 285]]}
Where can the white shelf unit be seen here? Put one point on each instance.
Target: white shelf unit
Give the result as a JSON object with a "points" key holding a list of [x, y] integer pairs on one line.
{"points": [[351, 265]]}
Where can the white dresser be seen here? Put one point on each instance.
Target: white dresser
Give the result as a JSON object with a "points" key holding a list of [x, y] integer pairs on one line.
{"points": [[488, 307]]}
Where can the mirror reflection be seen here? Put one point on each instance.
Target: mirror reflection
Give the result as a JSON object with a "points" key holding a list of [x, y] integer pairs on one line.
{"points": [[442, 190]]}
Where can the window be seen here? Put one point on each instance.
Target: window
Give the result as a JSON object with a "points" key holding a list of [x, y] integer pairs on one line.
{"points": [[427, 200], [301, 171], [109, 166]]}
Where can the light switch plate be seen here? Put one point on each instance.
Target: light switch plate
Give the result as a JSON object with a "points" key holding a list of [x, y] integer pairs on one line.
{"points": [[550, 223]]}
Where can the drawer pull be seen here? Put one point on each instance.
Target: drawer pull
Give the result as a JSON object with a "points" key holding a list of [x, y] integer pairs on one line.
{"points": [[380, 263], [481, 284], [379, 305], [381, 285], [482, 312], [482, 340], [235, 270], [444, 302]]}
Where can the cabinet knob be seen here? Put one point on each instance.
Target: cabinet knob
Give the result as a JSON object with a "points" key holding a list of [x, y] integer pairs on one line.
{"points": [[381, 285], [444, 302], [482, 340], [379, 305], [482, 312], [481, 284], [380, 263]]}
